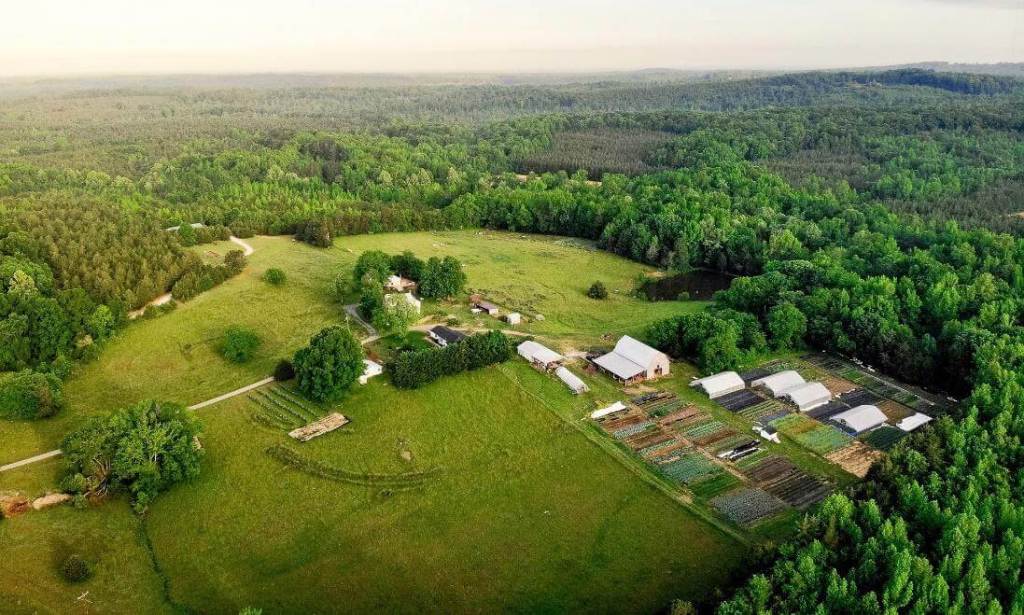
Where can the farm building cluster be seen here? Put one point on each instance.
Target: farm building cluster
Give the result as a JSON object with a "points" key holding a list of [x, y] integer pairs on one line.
{"points": [[831, 407], [480, 305], [840, 411], [545, 359]]}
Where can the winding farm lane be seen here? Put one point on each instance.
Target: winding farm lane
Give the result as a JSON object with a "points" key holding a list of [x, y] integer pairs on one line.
{"points": [[166, 297]]}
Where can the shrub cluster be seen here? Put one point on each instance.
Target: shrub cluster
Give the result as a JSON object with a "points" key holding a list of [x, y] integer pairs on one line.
{"points": [[31, 395], [274, 276], [414, 369], [239, 344]]}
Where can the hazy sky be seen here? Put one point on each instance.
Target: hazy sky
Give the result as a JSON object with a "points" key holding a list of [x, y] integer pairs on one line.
{"points": [[139, 36]]}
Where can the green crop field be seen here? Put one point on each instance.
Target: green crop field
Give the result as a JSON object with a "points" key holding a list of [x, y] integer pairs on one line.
{"points": [[519, 506]]}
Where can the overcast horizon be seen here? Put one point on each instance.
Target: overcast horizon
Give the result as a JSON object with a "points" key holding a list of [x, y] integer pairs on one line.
{"points": [[123, 38]]}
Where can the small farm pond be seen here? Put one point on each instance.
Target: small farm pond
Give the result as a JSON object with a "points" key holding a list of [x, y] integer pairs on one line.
{"points": [[699, 285]]}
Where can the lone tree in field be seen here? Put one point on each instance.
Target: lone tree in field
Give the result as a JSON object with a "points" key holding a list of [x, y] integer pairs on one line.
{"points": [[239, 344], [329, 365], [597, 291], [142, 450]]}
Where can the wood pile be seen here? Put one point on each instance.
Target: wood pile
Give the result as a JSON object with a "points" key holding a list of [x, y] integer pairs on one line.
{"points": [[318, 428]]}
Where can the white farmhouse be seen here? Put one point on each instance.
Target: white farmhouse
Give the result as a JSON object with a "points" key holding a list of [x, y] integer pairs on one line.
{"points": [[634, 361]]}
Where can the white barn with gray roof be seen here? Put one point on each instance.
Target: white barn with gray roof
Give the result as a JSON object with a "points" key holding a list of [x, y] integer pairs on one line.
{"points": [[632, 361]]}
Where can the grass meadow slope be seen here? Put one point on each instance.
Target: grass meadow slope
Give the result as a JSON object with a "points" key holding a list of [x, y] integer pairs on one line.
{"points": [[518, 507]]}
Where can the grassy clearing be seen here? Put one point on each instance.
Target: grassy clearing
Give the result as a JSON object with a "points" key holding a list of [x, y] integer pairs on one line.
{"points": [[519, 479], [513, 478], [175, 357]]}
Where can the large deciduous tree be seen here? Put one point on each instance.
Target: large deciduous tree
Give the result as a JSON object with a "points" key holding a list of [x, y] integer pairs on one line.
{"points": [[329, 365]]}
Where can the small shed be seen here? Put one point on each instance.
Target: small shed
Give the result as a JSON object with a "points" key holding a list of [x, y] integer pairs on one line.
{"points": [[914, 421], [370, 369], [539, 355], [612, 409], [571, 380], [719, 384], [808, 396], [513, 318], [779, 383], [487, 306], [860, 419], [442, 336]]}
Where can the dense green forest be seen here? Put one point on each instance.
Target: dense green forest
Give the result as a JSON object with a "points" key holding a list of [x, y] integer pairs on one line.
{"points": [[866, 213]]}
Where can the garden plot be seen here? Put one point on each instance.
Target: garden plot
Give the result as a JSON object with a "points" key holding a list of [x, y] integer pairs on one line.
{"points": [[780, 477], [735, 402], [894, 411], [818, 437], [765, 411], [747, 506], [908, 396], [832, 408], [884, 437], [278, 408], [857, 458]]}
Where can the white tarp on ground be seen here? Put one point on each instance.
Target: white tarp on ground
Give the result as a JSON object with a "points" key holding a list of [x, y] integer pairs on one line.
{"points": [[719, 384], [370, 370], [861, 418], [914, 421], [612, 409], [780, 383], [809, 396], [537, 353], [571, 380]]}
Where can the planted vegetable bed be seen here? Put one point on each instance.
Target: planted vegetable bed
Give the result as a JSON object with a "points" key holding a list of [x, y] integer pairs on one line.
{"points": [[747, 506]]}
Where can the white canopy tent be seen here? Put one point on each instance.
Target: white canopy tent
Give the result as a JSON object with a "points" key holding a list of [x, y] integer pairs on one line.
{"points": [[719, 384], [779, 383], [914, 421], [808, 396], [860, 419]]}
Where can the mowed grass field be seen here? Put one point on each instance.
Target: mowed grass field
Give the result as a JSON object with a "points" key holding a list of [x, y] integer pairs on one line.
{"points": [[175, 356], [524, 513]]}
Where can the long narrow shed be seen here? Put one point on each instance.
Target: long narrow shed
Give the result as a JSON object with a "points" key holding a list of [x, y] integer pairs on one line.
{"points": [[719, 384], [571, 380]]}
